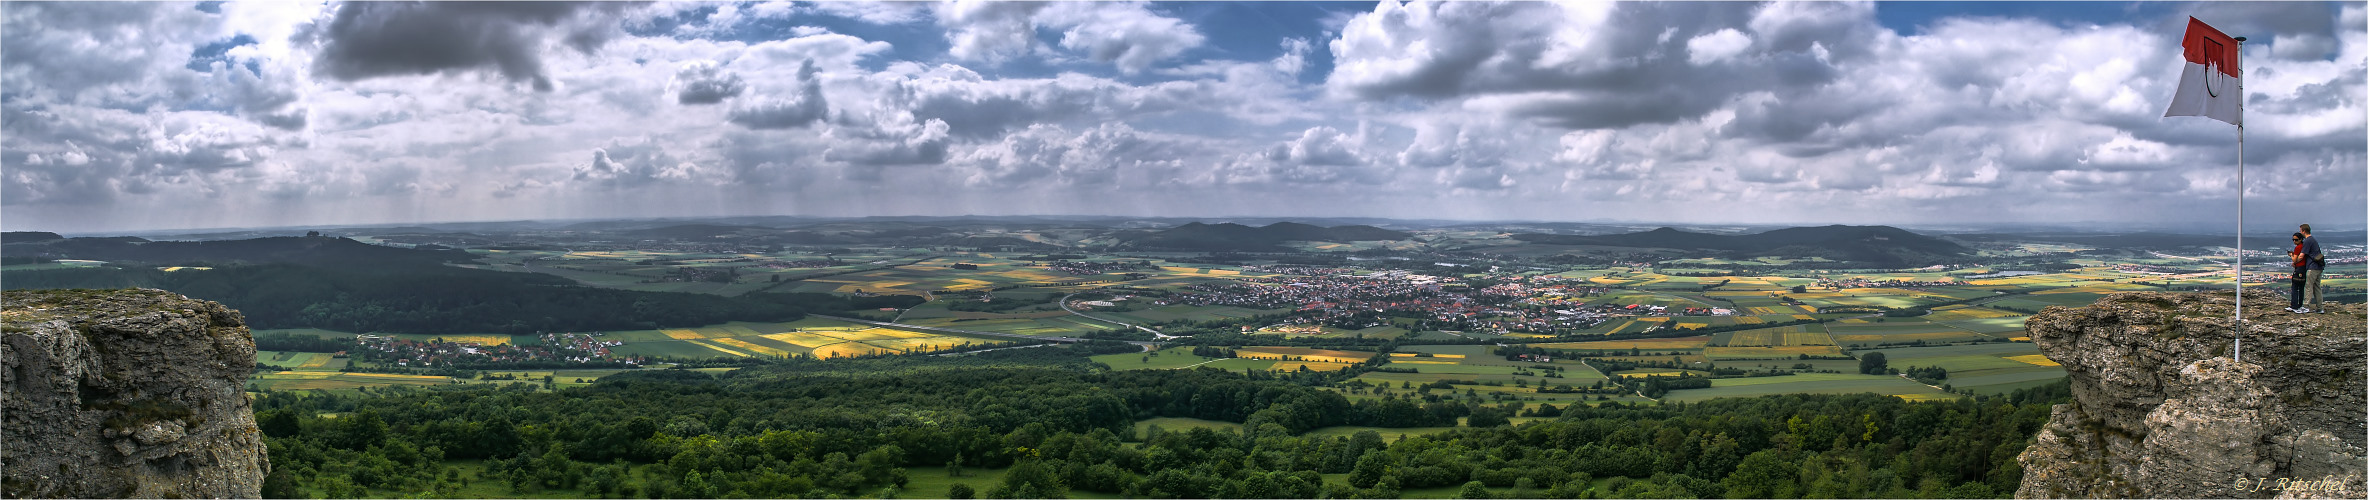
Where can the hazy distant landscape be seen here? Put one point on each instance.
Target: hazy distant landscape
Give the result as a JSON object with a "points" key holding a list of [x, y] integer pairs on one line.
{"points": [[1460, 323], [1163, 250]]}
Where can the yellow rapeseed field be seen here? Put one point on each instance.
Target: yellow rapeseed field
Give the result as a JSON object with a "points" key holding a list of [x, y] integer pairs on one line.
{"points": [[2036, 359], [805, 339], [751, 347], [1292, 366], [317, 361], [844, 350], [712, 345]]}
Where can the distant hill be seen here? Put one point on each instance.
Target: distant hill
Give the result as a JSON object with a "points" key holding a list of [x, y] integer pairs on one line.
{"points": [[1231, 237], [686, 232], [1875, 245], [2158, 240], [306, 250], [28, 236]]}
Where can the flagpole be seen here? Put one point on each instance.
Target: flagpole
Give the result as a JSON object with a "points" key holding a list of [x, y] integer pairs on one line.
{"points": [[2240, 205]]}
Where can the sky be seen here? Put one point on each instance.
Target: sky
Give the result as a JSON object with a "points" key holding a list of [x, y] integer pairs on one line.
{"points": [[124, 116]]}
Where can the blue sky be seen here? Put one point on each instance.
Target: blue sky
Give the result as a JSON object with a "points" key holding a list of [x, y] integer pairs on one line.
{"points": [[134, 116]]}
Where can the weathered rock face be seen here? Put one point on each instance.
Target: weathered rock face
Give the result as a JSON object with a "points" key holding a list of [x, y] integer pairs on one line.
{"points": [[126, 394], [2161, 410]]}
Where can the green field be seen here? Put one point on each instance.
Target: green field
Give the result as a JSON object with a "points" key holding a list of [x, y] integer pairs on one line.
{"points": [[1180, 424], [1481, 368], [1165, 359], [1990, 325], [1807, 383], [1059, 326], [316, 332], [1982, 368], [302, 361], [322, 380], [1895, 331]]}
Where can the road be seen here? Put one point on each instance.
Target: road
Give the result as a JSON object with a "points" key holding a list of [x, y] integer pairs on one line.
{"points": [[1154, 333]]}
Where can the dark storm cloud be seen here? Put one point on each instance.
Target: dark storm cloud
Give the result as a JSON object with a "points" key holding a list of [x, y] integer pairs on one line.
{"points": [[374, 39]]}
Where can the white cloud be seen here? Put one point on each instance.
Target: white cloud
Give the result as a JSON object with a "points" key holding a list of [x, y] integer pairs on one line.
{"points": [[988, 31], [1780, 112], [1716, 46], [1127, 34]]}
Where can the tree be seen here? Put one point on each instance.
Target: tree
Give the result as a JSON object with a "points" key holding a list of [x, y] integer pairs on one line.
{"points": [[1029, 479], [1873, 364], [281, 423], [960, 491], [1473, 489], [1486, 417], [1763, 474]]}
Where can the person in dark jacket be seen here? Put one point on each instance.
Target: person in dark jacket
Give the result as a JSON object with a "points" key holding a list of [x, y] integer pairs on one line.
{"points": [[2301, 275], [2314, 259]]}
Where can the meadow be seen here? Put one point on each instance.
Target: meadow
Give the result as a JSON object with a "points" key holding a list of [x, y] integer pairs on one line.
{"points": [[1810, 383], [1987, 368]]}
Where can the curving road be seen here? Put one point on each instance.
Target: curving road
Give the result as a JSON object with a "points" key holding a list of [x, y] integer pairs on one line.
{"points": [[1154, 333]]}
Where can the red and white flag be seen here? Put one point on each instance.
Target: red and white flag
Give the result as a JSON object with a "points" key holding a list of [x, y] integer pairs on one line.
{"points": [[2212, 86]]}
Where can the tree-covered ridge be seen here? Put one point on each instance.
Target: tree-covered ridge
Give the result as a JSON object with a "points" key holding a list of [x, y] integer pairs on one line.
{"points": [[436, 299], [853, 427]]}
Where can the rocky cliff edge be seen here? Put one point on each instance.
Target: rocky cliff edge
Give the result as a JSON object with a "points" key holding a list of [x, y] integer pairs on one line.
{"points": [[2161, 409], [125, 394]]}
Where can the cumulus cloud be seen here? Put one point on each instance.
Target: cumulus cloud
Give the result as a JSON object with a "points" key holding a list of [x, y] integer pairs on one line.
{"points": [[989, 31], [885, 135], [1590, 65], [704, 82], [375, 39], [1128, 35], [632, 163], [1716, 46], [797, 109], [1294, 56], [261, 113], [90, 155], [829, 50], [1050, 154], [873, 12], [1317, 156]]}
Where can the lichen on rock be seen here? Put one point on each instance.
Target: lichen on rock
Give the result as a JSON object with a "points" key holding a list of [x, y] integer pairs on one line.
{"points": [[2162, 408], [126, 394]]}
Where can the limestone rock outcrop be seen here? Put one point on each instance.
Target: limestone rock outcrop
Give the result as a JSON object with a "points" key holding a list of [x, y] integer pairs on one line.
{"points": [[2164, 408], [125, 394]]}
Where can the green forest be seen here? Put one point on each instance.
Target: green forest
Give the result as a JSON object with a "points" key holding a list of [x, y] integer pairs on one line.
{"points": [[436, 299], [1055, 424]]}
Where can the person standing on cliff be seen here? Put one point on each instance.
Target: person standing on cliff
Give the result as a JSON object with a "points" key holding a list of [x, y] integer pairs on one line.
{"points": [[2315, 259], [2301, 274]]}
